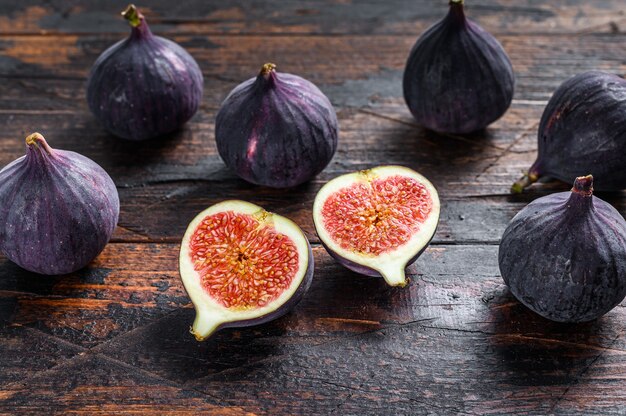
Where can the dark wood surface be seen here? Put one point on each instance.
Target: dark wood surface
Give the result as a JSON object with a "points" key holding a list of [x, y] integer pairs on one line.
{"points": [[114, 339]]}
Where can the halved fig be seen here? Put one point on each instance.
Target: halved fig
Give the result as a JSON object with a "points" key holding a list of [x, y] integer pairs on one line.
{"points": [[377, 222], [243, 266]]}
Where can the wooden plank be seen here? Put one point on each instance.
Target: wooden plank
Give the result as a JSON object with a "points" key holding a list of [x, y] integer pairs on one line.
{"points": [[602, 386], [540, 61], [93, 384], [164, 184], [444, 344], [27, 351], [130, 285], [453, 341], [175, 179], [353, 344], [126, 286], [311, 16]]}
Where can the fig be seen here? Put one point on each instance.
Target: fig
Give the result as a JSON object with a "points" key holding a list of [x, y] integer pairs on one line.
{"points": [[583, 129], [377, 222], [277, 130], [58, 209], [243, 266], [144, 86], [458, 79], [564, 255]]}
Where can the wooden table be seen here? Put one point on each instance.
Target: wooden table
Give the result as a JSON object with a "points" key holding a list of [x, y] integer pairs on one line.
{"points": [[113, 338]]}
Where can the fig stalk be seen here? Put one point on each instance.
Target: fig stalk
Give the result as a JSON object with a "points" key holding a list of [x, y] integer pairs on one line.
{"points": [[457, 12], [525, 181], [132, 15], [37, 140], [583, 186], [267, 69]]}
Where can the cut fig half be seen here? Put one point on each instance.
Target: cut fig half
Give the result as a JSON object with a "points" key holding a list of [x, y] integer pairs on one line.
{"points": [[243, 266], [377, 222]]}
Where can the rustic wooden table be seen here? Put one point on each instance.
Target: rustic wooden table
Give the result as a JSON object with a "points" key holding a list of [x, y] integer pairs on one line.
{"points": [[113, 338]]}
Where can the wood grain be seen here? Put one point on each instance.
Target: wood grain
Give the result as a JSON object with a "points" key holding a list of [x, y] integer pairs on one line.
{"points": [[113, 338], [311, 16]]}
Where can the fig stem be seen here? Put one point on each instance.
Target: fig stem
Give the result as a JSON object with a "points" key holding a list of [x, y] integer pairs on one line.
{"points": [[583, 185], [457, 1], [133, 15], [267, 69], [524, 182], [37, 140]]}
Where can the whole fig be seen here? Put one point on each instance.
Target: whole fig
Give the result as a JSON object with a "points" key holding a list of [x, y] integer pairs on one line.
{"points": [[564, 255], [144, 86], [277, 130], [458, 78], [583, 129], [58, 209]]}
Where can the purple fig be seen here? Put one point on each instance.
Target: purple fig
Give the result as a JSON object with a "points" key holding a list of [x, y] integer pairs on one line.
{"points": [[58, 209], [243, 266], [276, 130], [144, 86], [458, 78], [583, 129], [377, 222], [564, 255]]}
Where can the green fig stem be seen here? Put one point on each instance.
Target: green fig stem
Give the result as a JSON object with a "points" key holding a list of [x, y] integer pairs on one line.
{"points": [[461, 2], [133, 15], [36, 140], [524, 182], [267, 69]]}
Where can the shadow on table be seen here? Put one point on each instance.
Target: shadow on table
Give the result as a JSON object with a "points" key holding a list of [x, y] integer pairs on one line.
{"points": [[537, 352], [167, 348], [440, 157], [117, 151], [339, 303]]}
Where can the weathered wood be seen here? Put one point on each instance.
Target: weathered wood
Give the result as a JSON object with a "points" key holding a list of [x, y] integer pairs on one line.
{"points": [[311, 16], [25, 351], [164, 184], [542, 62], [128, 285], [94, 384], [446, 342], [113, 338]]}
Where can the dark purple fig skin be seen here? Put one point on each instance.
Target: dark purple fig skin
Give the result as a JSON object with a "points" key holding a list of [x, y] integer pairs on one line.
{"points": [[286, 307], [58, 209], [458, 79], [564, 255], [583, 129], [144, 86], [277, 130]]}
